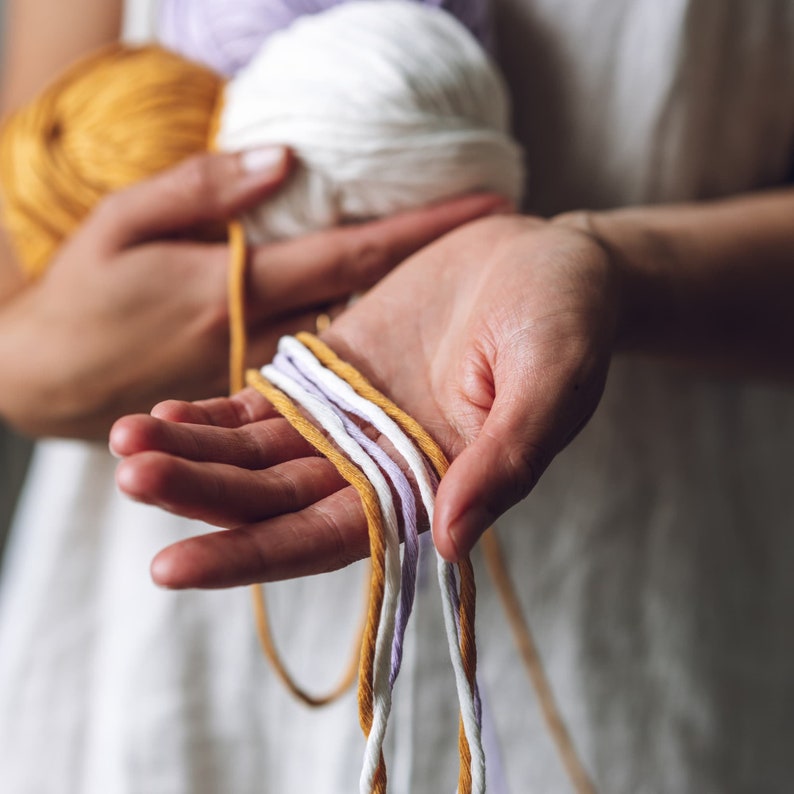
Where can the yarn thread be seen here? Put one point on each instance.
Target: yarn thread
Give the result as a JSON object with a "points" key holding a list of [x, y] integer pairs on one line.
{"points": [[495, 561], [369, 500], [294, 367], [527, 648], [349, 384], [459, 630], [376, 717], [271, 652]]}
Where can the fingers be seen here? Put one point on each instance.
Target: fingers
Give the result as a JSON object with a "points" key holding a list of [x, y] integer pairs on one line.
{"points": [[328, 266], [533, 417], [254, 446], [491, 475], [244, 407], [226, 495], [200, 190], [325, 536]]}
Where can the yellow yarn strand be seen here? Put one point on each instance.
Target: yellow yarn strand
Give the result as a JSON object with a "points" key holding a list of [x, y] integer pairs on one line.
{"points": [[433, 452], [369, 500], [238, 338], [497, 567], [270, 650]]}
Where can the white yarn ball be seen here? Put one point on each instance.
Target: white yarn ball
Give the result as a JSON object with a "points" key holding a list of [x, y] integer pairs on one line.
{"points": [[389, 105]]}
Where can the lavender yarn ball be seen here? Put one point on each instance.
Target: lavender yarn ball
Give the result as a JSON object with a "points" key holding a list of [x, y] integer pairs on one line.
{"points": [[226, 34]]}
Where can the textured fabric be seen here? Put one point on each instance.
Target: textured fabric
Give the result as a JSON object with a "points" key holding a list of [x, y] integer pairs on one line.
{"points": [[655, 558]]}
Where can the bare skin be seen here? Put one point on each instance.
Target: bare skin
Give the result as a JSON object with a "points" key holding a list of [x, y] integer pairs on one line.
{"points": [[498, 339]]}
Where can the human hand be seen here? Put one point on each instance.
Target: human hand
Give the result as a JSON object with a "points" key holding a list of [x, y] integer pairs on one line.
{"points": [[131, 311], [497, 339]]}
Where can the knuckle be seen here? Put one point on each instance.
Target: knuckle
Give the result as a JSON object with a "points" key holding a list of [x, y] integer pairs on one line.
{"points": [[343, 547], [524, 465], [109, 210], [194, 178], [285, 490]]}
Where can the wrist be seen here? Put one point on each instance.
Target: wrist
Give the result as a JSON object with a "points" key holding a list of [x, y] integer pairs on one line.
{"points": [[642, 260]]}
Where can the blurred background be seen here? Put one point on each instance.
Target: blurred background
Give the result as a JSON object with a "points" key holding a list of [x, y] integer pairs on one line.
{"points": [[14, 451]]}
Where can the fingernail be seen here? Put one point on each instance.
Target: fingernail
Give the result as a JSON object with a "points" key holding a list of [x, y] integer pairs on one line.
{"points": [[263, 159], [467, 529]]}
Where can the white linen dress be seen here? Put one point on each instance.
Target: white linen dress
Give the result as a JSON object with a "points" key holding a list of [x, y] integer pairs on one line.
{"points": [[655, 559]]}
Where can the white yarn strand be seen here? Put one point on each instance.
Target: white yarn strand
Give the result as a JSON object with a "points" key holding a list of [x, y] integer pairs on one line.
{"points": [[330, 422], [407, 449]]}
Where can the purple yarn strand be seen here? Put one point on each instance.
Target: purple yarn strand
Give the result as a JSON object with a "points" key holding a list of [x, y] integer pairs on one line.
{"points": [[293, 369]]}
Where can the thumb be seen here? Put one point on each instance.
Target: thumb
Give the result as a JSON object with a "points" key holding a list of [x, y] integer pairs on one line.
{"points": [[496, 471], [202, 189]]}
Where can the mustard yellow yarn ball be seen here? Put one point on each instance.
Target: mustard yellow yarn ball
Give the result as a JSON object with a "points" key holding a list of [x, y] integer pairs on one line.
{"points": [[110, 120]]}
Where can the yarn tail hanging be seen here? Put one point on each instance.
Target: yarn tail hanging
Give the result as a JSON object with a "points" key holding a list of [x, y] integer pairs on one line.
{"points": [[237, 352], [284, 405], [499, 573], [459, 611], [530, 658], [347, 679]]}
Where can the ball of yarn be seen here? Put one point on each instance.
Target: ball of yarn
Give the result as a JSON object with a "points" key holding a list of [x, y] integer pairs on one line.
{"points": [[225, 34], [109, 121], [388, 104]]}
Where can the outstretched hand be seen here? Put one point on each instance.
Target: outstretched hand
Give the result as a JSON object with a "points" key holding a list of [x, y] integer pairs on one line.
{"points": [[496, 338]]}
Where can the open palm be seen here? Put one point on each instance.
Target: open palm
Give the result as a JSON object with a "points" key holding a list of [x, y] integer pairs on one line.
{"points": [[496, 338]]}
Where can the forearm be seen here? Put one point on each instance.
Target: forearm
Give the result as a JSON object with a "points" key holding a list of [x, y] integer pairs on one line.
{"points": [[711, 283], [44, 36], [29, 398]]}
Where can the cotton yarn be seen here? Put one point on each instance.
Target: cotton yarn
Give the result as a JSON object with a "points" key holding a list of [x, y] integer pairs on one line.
{"points": [[226, 34], [375, 131], [388, 104], [338, 393], [335, 390]]}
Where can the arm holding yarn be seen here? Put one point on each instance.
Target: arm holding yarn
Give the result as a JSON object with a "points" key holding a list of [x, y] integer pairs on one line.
{"points": [[497, 339], [126, 314]]}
